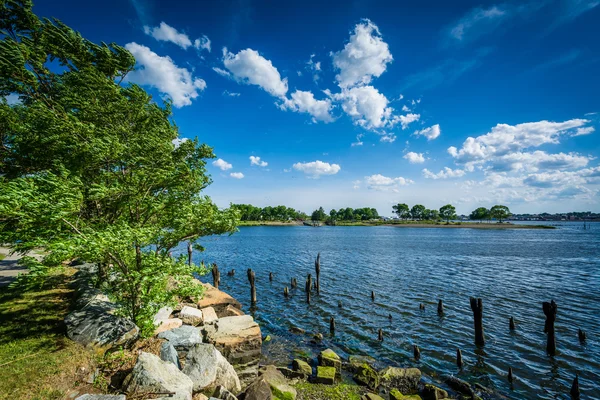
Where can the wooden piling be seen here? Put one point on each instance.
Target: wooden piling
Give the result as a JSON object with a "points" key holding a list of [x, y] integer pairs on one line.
{"points": [[550, 312], [286, 292], [231, 273], [390, 317], [318, 273], [510, 374], [575, 393], [459, 360], [308, 288], [190, 250], [421, 306], [372, 295], [416, 352], [216, 276], [581, 335], [339, 303], [332, 325], [477, 308], [294, 283], [251, 277], [511, 324], [440, 308], [380, 335], [270, 277]]}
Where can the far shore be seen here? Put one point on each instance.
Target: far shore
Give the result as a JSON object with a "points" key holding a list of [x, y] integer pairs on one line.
{"points": [[470, 225]]}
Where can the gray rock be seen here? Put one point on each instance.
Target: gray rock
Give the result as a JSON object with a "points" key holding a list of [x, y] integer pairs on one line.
{"points": [[223, 394], [153, 375], [302, 367], [207, 368], [101, 397], [406, 380], [182, 338], [279, 385], [258, 390], [169, 354]]}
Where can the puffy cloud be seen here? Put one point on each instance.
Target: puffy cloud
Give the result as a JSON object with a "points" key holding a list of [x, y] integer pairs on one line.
{"points": [[167, 33], [446, 173], [202, 43], [367, 107], [251, 68], [365, 56], [221, 72], [236, 175], [177, 142], [388, 138], [537, 160], [257, 161], [584, 131], [431, 133], [305, 102], [384, 183], [408, 119], [414, 158], [317, 168], [163, 74], [222, 164]]}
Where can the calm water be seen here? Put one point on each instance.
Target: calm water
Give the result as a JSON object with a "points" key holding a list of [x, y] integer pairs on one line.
{"points": [[513, 271]]}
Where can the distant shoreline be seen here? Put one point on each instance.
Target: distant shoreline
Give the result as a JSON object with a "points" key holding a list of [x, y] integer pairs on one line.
{"points": [[471, 225]]}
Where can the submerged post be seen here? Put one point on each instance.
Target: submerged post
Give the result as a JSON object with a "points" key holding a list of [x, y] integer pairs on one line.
{"points": [[189, 253], [575, 393], [332, 325], [231, 273], [421, 306], [511, 324], [380, 335], [372, 295], [270, 277], [440, 307], [318, 272], [252, 287], [308, 287], [510, 374], [416, 352], [293, 283], [477, 307], [550, 312], [459, 361], [582, 335], [216, 275], [285, 292]]}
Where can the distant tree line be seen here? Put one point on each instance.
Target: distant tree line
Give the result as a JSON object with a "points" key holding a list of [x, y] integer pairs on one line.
{"points": [[249, 212], [419, 212], [498, 212], [345, 214]]}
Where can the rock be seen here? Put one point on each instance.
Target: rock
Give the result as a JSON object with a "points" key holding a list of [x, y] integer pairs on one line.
{"points": [[328, 358], [302, 366], [153, 375], [209, 315], [279, 385], [162, 315], [406, 380], [296, 330], [431, 392], [231, 311], [460, 386], [318, 337], [356, 362], [267, 339], [371, 396], [191, 316], [239, 340], [365, 375], [291, 374], [223, 394], [396, 395], [167, 325], [94, 325], [325, 375], [258, 390], [218, 300], [182, 338], [169, 354], [101, 397], [207, 368]]}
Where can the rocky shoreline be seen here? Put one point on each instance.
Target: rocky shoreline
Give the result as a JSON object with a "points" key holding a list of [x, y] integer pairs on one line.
{"points": [[211, 349]]}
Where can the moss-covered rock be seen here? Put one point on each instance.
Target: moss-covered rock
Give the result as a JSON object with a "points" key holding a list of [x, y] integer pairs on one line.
{"points": [[406, 380], [313, 391], [432, 392], [279, 385], [365, 375], [326, 375], [354, 362], [302, 367], [371, 396], [328, 358], [396, 395]]}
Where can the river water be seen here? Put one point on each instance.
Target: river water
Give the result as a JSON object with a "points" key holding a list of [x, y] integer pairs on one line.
{"points": [[512, 271]]}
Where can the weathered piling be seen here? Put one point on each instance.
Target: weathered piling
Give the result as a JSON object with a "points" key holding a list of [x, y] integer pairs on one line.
{"points": [[440, 308], [294, 283], [251, 278], [270, 277], [380, 335], [390, 317], [511, 324], [477, 308], [416, 352], [510, 374], [318, 273], [459, 360], [339, 303], [372, 295], [550, 312], [575, 393], [286, 292], [189, 249], [308, 288], [421, 306], [216, 275], [332, 325], [231, 273], [581, 335]]}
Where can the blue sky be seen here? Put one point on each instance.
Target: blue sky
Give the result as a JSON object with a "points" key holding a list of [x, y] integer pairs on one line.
{"points": [[371, 103]]}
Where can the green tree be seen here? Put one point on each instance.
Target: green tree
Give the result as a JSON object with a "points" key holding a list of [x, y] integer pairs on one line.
{"points": [[319, 215], [500, 212], [401, 210], [479, 214], [93, 168], [333, 214], [416, 212], [448, 212]]}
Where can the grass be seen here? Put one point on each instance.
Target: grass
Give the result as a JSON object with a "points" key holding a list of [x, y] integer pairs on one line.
{"points": [[37, 361]]}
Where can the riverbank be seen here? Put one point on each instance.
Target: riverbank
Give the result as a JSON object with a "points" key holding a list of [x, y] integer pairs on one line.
{"points": [[409, 224]]}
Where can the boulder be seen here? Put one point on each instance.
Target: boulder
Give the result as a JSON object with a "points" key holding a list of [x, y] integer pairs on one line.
{"points": [[396, 395], [371, 396], [431, 392], [167, 325], [217, 299], [101, 397], [279, 385], [153, 375], [325, 375], [231, 311], [162, 315], [182, 338], [302, 367], [356, 362], [191, 316], [239, 340], [406, 380], [328, 358], [291, 374], [207, 368], [365, 375], [223, 394], [169, 354], [209, 315], [460, 386], [258, 390]]}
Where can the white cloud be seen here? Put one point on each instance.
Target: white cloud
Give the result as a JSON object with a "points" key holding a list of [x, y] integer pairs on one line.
{"points": [[221, 72], [388, 138], [414, 158], [163, 74], [408, 119], [317, 168], [477, 22], [236, 175], [314, 67], [257, 161], [231, 94], [365, 56], [446, 173], [222, 164], [431, 133], [202, 43], [584, 131], [384, 183], [167, 33], [305, 102], [251, 68], [177, 142], [405, 108], [537, 160], [366, 106], [358, 140]]}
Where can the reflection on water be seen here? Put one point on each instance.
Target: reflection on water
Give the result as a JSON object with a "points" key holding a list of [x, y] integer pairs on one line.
{"points": [[513, 271]]}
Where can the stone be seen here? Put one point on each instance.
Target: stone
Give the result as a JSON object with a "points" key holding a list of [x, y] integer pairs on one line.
{"points": [[328, 358], [231, 311], [318, 337], [291, 374], [279, 385], [325, 375], [371, 396], [182, 338], [169, 354], [163, 314], [356, 362], [406, 380], [239, 340], [296, 330], [223, 394], [217, 299], [302, 366], [431, 392], [209, 315], [101, 397], [207, 368], [366, 375], [153, 375], [258, 390], [460, 386], [167, 325], [191, 316], [396, 395]]}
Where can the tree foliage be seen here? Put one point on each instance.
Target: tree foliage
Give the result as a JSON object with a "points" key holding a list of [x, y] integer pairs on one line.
{"points": [[448, 212], [249, 212], [401, 210], [89, 168], [417, 211], [500, 212], [479, 214]]}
